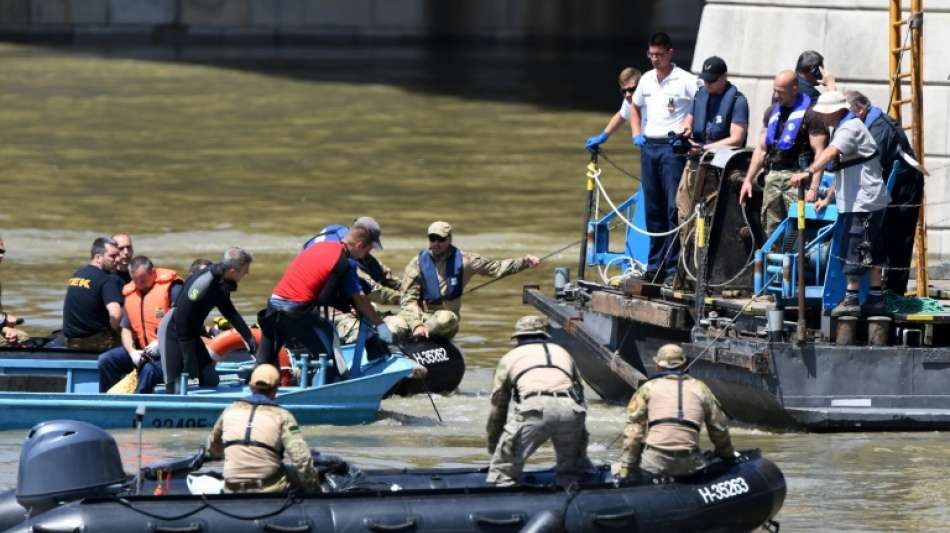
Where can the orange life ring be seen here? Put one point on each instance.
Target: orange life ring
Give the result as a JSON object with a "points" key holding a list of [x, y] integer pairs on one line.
{"points": [[230, 340]]}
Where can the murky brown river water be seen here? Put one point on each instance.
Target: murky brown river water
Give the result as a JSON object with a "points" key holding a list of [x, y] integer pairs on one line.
{"points": [[194, 156]]}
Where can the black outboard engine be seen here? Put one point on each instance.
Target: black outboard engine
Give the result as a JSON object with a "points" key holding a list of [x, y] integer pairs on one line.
{"points": [[64, 460], [445, 366]]}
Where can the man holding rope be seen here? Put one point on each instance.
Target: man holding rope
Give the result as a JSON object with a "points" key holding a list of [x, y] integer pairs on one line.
{"points": [[434, 280]]}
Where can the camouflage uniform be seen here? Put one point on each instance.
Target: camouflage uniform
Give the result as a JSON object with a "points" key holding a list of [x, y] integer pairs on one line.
{"points": [[672, 448], [542, 376], [382, 292], [776, 197], [443, 319], [254, 468]]}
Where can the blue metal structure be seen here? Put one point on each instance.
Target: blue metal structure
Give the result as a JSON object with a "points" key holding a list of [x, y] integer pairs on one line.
{"points": [[636, 245], [776, 263]]}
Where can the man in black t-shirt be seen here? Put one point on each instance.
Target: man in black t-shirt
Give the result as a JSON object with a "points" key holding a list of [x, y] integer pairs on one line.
{"points": [[790, 138], [93, 305]]}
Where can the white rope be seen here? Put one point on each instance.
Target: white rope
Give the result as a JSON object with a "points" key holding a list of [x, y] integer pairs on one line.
{"points": [[613, 207]]}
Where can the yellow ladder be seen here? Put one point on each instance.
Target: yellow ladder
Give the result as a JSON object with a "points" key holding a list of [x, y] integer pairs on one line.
{"points": [[905, 37]]}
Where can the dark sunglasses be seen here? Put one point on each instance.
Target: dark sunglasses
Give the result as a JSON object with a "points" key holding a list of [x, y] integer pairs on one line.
{"points": [[437, 238], [628, 90]]}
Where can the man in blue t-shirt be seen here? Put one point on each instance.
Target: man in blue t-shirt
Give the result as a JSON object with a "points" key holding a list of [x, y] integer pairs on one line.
{"points": [[93, 305], [719, 119]]}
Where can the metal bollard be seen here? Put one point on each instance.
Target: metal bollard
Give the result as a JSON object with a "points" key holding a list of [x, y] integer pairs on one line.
{"points": [[776, 323], [845, 330], [562, 276], [183, 384], [879, 331]]}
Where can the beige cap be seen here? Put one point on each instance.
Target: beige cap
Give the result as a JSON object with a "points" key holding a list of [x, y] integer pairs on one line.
{"points": [[530, 325], [440, 228], [265, 377], [669, 356], [830, 102]]}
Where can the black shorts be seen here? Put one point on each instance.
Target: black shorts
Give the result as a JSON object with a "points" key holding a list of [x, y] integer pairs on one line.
{"points": [[858, 229]]}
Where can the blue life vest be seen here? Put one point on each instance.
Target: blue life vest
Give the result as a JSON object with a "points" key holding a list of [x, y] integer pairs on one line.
{"points": [[430, 279], [719, 126], [331, 233], [786, 139], [873, 114]]}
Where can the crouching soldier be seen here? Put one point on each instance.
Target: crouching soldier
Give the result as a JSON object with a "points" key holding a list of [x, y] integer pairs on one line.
{"points": [[664, 418], [253, 434], [549, 404]]}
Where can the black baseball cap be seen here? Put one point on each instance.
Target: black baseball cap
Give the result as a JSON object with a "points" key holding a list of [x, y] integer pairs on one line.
{"points": [[713, 67]]}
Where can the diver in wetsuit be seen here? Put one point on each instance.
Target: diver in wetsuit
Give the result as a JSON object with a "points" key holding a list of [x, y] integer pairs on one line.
{"points": [[212, 287]]}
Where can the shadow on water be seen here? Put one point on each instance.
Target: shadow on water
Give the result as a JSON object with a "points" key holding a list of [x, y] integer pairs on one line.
{"points": [[559, 77]]}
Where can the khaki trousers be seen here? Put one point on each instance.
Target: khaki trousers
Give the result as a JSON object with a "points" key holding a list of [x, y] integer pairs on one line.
{"points": [[658, 462], [537, 420], [441, 323]]}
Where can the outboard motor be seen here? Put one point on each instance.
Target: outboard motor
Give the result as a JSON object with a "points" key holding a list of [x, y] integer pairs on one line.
{"points": [[444, 364], [65, 460]]}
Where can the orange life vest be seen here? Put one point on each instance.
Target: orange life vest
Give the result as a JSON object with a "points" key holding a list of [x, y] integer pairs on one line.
{"points": [[146, 312]]}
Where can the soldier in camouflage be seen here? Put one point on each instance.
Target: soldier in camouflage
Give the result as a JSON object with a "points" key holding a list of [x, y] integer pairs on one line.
{"points": [[549, 404], [432, 285], [253, 434], [664, 419]]}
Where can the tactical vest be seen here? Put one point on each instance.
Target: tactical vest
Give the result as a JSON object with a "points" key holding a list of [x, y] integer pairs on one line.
{"points": [[253, 448], [719, 129], [675, 412], [430, 278], [146, 312], [576, 390]]}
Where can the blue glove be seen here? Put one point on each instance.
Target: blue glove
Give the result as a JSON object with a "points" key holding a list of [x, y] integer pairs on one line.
{"points": [[639, 140], [593, 143]]}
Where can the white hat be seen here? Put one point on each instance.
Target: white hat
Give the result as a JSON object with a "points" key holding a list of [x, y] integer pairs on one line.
{"points": [[830, 102]]}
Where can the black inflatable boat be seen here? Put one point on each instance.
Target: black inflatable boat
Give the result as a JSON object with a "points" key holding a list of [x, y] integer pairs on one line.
{"points": [[71, 480]]}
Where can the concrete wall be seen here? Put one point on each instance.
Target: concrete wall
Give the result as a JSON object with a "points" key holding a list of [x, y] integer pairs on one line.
{"points": [[757, 39], [602, 20]]}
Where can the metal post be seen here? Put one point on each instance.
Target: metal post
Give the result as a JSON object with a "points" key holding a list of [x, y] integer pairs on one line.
{"points": [[588, 213], [701, 254], [802, 323], [916, 27]]}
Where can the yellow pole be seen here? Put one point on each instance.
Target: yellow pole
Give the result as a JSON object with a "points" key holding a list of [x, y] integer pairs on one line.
{"points": [[917, 97]]}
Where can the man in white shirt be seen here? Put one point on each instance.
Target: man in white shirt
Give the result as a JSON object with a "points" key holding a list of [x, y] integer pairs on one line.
{"points": [[665, 96], [628, 80]]}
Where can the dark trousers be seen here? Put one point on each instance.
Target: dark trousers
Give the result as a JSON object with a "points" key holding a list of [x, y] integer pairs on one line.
{"points": [[901, 224], [660, 171], [115, 364], [861, 237], [278, 328]]}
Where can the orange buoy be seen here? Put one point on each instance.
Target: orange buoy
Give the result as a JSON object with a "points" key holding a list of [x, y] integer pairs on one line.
{"points": [[230, 340]]}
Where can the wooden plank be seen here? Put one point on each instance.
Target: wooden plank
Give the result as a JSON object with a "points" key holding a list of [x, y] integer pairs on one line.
{"points": [[663, 314], [639, 287]]}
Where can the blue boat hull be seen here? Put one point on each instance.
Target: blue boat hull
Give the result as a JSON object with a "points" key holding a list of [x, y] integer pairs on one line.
{"points": [[354, 401]]}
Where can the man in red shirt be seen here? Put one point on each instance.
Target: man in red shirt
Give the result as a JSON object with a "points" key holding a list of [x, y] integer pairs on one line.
{"points": [[323, 275]]}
